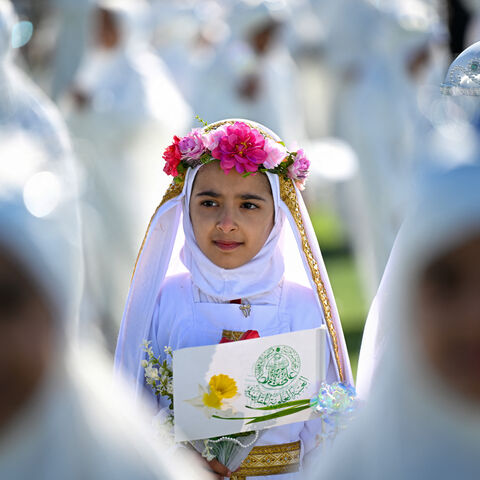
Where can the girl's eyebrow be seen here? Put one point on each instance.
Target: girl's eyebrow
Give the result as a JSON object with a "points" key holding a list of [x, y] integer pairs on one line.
{"points": [[252, 196], [244, 196], [208, 193]]}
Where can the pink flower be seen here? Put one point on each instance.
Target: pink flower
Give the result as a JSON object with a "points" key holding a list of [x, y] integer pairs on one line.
{"points": [[298, 171], [241, 147], [210, 140], [275, 153], [172, 157], [192, 147]]}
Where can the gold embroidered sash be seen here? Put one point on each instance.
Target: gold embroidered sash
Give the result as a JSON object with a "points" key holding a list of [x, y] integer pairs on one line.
{"points": [[232, 335], [270, 460]]}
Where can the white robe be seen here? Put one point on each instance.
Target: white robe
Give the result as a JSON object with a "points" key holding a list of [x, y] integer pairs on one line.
{"points": [[193, 320], [71, 430]]}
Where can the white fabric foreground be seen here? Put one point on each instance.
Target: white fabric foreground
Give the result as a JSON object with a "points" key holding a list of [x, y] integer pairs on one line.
{"points": [[414, 426], [73, 425]]}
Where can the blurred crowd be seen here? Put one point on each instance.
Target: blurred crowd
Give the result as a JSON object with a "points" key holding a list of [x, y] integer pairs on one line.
{"points": [[92, 91], [127, 75]]}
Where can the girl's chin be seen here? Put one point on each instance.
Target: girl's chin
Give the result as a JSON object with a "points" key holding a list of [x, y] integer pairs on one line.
{"points": [[228, 261]]}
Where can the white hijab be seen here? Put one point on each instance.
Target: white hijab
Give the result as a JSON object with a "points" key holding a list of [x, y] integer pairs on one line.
{"points": [[159, 257], [413, 425], [260, 275]]}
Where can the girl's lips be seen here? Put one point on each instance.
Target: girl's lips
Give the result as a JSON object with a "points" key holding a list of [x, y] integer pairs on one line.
{"points": [[227, 245]]}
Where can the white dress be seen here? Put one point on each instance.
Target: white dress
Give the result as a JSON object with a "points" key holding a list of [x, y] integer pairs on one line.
{"points": [[195, 320], [184, 306]]}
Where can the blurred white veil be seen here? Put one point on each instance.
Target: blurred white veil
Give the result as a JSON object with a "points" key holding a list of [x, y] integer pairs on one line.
{"points": [[413, 425]]}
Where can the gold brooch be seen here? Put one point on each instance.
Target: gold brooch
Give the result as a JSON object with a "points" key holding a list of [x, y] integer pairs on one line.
{"points": [[246, 309]]}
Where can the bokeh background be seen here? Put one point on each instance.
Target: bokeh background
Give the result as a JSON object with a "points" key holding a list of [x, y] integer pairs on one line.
{"points": [[354, 82]]}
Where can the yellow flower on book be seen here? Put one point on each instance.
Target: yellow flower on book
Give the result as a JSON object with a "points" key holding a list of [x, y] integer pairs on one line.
{"points": [[223, 386], [217, 395], [212, 400]]}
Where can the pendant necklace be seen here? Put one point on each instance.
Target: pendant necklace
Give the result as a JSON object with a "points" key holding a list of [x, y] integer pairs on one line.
{"points": [[245, 308]]}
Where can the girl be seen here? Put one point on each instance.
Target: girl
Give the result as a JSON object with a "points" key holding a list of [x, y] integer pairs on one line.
{"points": [[250, 262]]}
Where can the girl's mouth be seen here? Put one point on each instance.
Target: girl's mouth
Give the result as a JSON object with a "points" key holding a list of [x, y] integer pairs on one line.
{"points": [[227, 246]]}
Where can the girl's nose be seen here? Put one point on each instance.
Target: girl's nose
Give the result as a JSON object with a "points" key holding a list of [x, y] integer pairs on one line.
{"points": [[226, 223]]}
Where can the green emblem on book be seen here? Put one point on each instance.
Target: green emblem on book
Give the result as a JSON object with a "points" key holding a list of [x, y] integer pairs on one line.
{"points": [[277, 377], [277, 366]]}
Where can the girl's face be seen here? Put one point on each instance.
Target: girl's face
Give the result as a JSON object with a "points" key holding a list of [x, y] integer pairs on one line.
{"points": [[231, 216], [449, 317]]}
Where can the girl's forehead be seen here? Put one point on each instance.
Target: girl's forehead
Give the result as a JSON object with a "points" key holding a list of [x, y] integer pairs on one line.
{"points": [[212, 177]]}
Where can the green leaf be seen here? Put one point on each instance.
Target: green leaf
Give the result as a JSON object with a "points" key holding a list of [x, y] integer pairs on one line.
{"points": [[232, 418], [201, 120], [283, 413], [282, 405], [263, 418]]}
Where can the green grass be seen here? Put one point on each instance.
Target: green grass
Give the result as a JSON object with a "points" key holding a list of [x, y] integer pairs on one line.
{"points": [[344, 278]]}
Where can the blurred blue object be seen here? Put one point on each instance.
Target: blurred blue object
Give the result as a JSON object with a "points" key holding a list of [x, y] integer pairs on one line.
{"points": [[21, 34], [463, 75]]}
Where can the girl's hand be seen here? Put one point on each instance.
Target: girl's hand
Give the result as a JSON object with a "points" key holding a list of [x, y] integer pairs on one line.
{"points": [[219, 469]]}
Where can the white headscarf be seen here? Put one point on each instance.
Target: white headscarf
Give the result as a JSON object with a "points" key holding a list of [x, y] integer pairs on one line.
{"points": [[260, 275], [414, 425], [158, 259]]}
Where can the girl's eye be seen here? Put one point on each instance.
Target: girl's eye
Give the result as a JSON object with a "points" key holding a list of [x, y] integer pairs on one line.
{"points": [[249, 206], [209, 203]]}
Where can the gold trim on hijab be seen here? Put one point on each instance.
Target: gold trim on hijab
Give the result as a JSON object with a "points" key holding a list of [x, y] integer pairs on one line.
{"points": [[289, 197]]}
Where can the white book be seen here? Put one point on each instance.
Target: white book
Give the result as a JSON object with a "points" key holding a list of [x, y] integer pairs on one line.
{"points": [[215, 383]]}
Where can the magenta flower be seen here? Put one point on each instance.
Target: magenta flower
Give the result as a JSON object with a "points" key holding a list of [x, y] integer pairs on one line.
{"points": [[241, 147], [298, 171], [276, 153], [191, 147]]}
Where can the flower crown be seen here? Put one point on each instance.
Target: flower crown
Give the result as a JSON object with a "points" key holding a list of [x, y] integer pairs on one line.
{"points": [[236, 145]]}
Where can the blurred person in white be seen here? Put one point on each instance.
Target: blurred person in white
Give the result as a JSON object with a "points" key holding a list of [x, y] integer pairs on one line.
{"points": [[253, 74], [70, 44], [123, 110], [422, 419], [453, 143], [57, 417], [24, 108], [187, 35], [22, 104], [382, 61]]}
